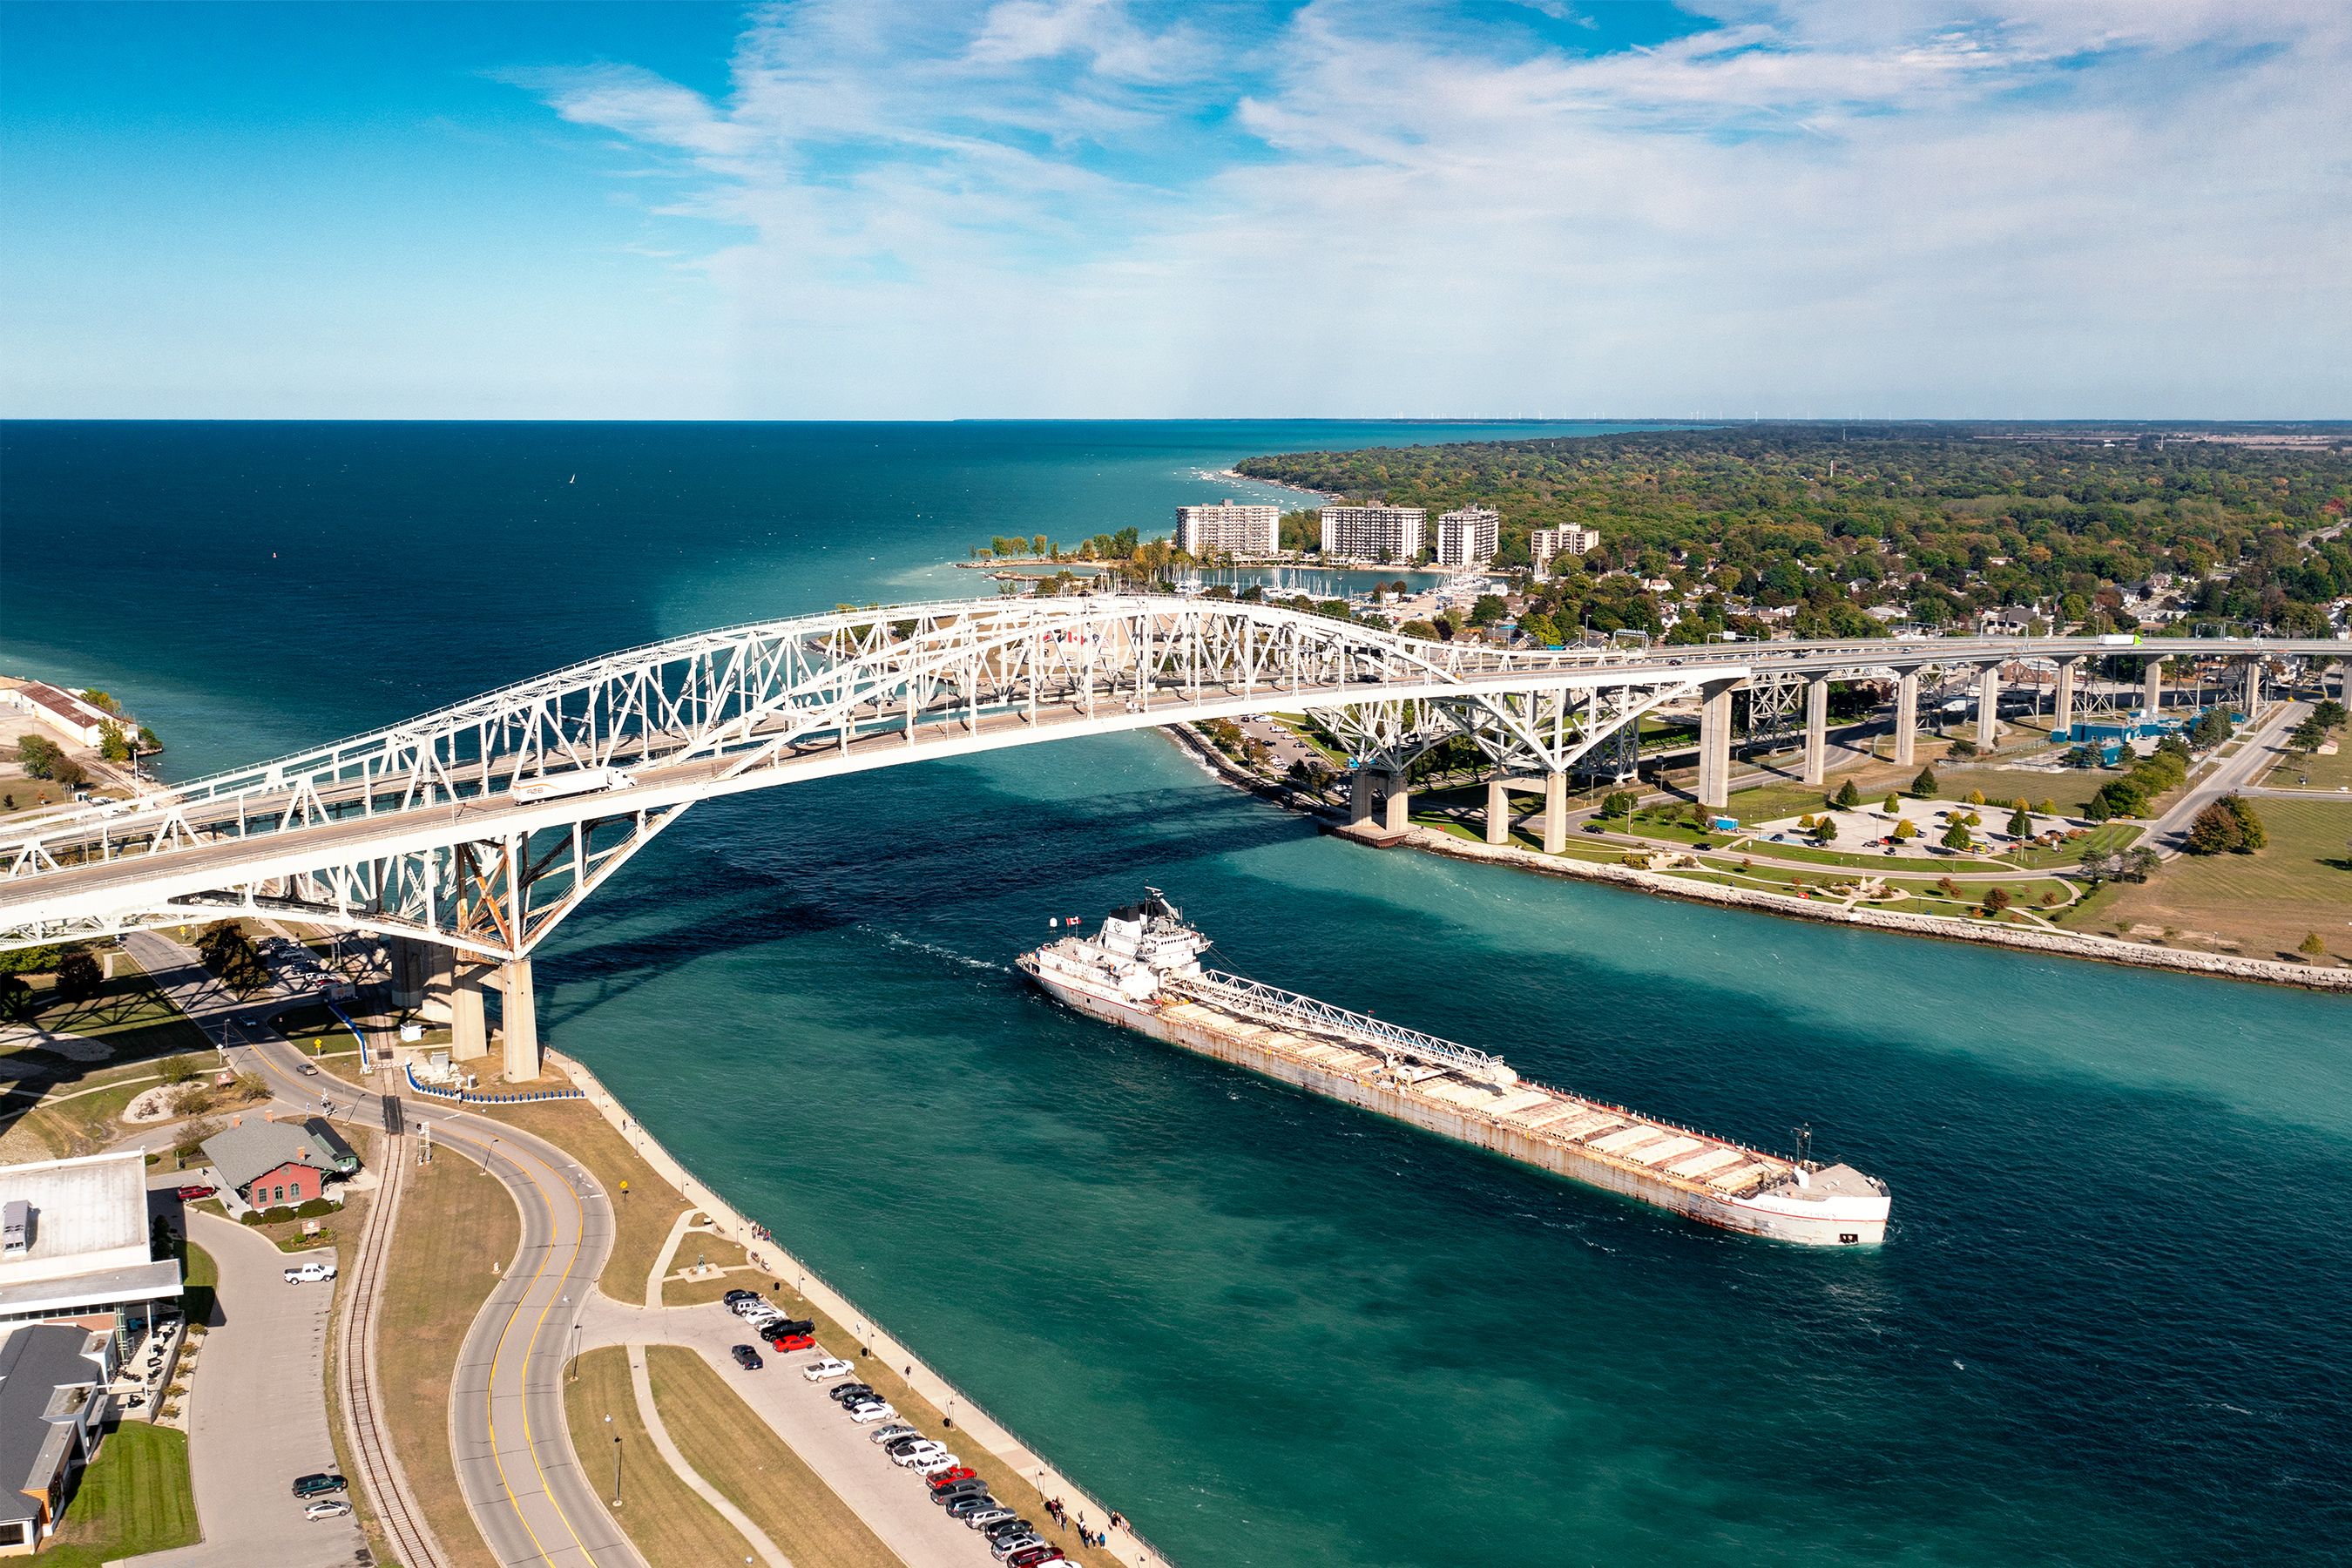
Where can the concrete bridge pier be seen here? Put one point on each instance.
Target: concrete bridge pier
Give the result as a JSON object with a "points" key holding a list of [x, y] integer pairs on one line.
{"points": [[1498, 811], [2153, 677], [407, 975], [1397, 813], [2063, 719], [1816, 729], [1359, 798], [469, 1030], [1715, 743], [1906, 717], [521, 1021], [2254, 684], [1988, 706], [1555, 818]]}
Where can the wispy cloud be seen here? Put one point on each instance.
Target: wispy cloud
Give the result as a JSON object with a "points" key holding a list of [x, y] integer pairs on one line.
{"points": [[1084, 206]]}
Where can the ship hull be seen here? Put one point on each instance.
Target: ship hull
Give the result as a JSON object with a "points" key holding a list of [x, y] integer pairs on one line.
{"points": [[1747, 1217]]}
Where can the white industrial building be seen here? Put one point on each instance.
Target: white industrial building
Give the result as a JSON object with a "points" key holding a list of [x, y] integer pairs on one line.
{"points": [[1228, 528], [79, 721], [1383, 534], [76, 1247], [1546, 544], [1468, 537]]}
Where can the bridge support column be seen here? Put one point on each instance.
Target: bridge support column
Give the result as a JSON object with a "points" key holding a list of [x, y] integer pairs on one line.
{"points": [[1906, 717], [469, 1033], [1816, 729], [522, 1023], [2253, 680], [1715, 744], [2063, 718], [1498, 811], [407, 975], [1359, 798], [2155, 678], [1555, 821], [1397, 815], [1988, 706]]}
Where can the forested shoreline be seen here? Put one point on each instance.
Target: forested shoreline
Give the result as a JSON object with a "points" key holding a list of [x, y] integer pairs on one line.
{"points": [[1942, 520]]}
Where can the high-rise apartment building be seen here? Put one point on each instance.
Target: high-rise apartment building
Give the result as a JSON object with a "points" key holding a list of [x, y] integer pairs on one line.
{"points": [[1386, 533], [1228, 528], [1468, 537], [1545, 543]]}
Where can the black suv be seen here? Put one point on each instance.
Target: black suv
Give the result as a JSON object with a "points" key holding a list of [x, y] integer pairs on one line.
{"points": [[319, 1485], [748, 1359]]}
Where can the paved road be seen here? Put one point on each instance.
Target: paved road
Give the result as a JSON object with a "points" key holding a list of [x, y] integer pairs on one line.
{"points": [[258, 1415], [515, 1462], [2232, 773]]}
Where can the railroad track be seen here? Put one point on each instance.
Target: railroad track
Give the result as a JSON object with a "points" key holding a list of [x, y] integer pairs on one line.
{"points": [[411, 1538]]}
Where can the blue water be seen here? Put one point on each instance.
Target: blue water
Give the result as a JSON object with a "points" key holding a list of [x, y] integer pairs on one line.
{"points": [[2109, 1327]]}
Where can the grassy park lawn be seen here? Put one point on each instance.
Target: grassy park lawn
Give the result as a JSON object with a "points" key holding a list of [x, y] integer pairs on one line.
{"points": [[2106, 836], [671, 1526], [2330, 774], [71, 1108], [737, 1453], [716, 1250], [2267, 901], [135, 1498], [458, 1227]]}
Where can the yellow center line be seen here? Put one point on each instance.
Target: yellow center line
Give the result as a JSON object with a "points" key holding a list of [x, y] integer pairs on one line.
{"points": [[490, 1400]]}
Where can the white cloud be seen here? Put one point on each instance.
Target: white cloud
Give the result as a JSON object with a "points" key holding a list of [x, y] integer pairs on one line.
{"points": [[2117, 206]]}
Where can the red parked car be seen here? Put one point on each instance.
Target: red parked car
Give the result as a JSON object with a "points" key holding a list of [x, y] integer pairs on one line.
{"points": [[950, 1475], [190, 1194], [793, 1341]]}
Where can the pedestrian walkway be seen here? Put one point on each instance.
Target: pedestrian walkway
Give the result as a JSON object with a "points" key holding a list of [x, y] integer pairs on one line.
{"points": [[642, 1382]]}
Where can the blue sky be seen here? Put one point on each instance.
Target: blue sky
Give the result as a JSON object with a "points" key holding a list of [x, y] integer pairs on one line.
{"points": [[1085, 207]]}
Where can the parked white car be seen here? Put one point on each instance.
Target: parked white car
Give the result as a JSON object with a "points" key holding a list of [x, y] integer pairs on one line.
{"points": [[825, 1367], [914, 1453], [314, 1270], [933, 1465], [869, 1413]]}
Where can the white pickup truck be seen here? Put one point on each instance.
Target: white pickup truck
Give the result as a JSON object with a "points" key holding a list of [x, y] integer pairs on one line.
{"points": [[316, 1270]]}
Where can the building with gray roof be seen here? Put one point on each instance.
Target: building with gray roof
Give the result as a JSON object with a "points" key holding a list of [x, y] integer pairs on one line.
{"points": [[54, 1407], [267, 1161]]}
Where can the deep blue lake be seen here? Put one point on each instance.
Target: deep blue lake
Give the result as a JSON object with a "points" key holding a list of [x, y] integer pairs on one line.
{"points": [[2109, 1328]]}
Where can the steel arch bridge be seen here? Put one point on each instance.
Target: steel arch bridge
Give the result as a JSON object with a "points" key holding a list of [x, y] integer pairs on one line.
{"points": [[479, 827]]}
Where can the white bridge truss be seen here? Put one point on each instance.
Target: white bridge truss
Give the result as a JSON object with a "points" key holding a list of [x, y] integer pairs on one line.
{"points": [[480, 826]]}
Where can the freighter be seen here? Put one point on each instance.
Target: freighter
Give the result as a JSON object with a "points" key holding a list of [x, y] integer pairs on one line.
{"points": [[1143, 971]]}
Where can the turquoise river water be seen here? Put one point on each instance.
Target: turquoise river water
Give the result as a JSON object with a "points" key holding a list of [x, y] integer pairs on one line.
{"points": [[2109, 1327]]}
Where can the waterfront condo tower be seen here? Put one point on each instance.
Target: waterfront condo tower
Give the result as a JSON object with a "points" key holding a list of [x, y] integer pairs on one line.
{"points": [[1228, 528], [1545, 544], [1468, 537], [1383, 534]]}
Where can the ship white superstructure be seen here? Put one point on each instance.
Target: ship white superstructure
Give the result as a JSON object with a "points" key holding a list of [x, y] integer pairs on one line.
{"points": [[1143, 971]]}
